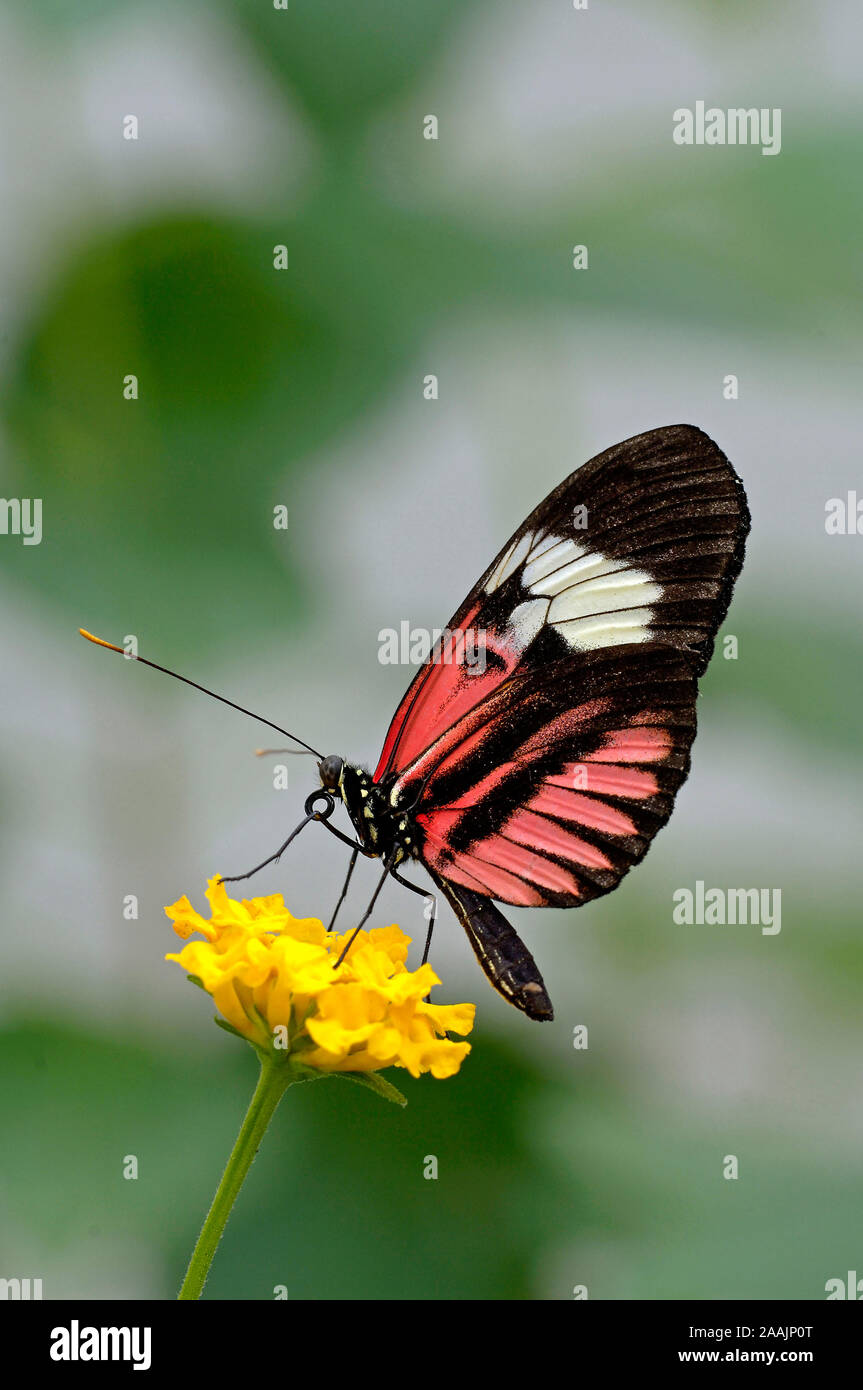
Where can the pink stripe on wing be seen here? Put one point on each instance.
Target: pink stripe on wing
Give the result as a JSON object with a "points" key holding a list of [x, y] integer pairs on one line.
{"points": [[495, 883], [587, 810], [636, 745], [482, 877], [607, 781], [497, 849], [530, 829]]}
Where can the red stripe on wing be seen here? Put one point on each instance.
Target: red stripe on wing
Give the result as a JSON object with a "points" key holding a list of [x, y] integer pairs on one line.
{"points": [[450, 753], [444, 694]]}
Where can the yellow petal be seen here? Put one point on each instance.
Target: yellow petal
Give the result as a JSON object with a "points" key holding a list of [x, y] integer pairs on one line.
{"points": [[186, 919]]}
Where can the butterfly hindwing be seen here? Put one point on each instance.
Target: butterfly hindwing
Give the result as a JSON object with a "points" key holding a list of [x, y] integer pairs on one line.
{"points": [[563, 788]]}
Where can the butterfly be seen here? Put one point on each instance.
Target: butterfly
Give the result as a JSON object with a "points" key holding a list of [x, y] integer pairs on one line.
{"points": [[539, 774]]}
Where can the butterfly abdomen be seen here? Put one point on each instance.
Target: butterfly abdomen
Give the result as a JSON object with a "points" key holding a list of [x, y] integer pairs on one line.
{"points": [[500, 951]]}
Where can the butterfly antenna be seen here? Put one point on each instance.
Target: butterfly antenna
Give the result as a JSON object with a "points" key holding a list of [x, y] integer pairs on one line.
{"points": [[100, 642], [297, 752]]}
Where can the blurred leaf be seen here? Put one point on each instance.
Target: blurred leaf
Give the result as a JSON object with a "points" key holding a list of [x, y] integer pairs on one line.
{"points": [[158, 511], [541, 1184], [688, 1232], [345, 60], [350, 1214], [336, 1205]]}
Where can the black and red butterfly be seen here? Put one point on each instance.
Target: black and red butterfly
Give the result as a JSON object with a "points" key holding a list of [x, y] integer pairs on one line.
{"points": [[539, 775]]}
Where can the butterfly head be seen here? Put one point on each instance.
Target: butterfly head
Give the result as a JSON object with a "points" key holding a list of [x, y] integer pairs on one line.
{"points": [[330, 770]]}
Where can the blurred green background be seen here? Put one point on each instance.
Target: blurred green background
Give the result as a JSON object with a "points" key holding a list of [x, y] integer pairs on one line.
{"points": [[304, 388]]}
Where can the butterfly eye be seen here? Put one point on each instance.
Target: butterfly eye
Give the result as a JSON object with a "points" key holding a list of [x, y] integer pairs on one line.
{"points": [[330, 769]]}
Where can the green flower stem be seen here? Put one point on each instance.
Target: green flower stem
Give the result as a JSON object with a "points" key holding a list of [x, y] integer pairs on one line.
{"points": [[274, 1080]]}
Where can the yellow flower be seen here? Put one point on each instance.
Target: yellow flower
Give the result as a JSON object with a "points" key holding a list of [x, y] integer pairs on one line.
{"points": [[272, 979]]}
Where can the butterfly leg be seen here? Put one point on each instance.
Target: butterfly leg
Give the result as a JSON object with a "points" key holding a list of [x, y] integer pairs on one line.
{"points": [[273, 859], [346, 840], [344, 888], [430, 914], [368, 912]]}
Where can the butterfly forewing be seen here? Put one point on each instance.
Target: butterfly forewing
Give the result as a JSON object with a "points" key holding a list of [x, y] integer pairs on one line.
{"points": [[539, 771]]}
